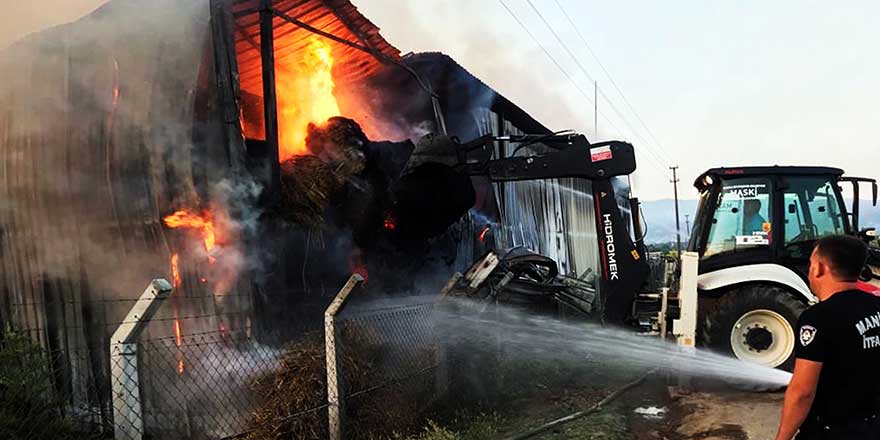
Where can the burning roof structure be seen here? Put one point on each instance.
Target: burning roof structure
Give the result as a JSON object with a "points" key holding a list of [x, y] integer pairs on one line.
{"points": [[164, 138]]}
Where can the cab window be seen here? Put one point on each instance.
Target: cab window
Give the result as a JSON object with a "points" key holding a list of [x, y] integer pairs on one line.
{"points": [[811, 212], [742, 219]]}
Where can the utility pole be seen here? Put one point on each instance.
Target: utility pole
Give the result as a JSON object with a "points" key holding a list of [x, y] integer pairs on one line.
{"points": [[595, 110], [677, 220], [687, 224]]}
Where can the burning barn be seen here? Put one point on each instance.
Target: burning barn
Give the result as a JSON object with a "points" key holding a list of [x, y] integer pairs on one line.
{"points": [[254, 153]]}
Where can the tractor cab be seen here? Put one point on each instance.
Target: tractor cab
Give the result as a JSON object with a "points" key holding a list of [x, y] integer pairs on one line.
{"points": [[754, 231], [754, 215]]}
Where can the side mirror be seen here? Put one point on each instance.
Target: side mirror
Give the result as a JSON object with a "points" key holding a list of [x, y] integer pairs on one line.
{"points": [[792, 209]]}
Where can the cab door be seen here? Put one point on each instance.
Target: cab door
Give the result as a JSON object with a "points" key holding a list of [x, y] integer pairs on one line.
{"points": [[811, 210]]}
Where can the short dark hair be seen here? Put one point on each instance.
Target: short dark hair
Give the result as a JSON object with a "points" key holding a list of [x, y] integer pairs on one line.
{"points": [[846, 255]]}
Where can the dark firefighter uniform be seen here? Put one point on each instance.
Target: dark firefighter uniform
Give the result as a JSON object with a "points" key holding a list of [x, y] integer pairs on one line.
{"points": [[843, 332]]}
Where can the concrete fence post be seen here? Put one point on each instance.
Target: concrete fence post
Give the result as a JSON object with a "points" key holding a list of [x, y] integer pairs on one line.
{"points": [[334, 388], [128, 423], [441, 374]]}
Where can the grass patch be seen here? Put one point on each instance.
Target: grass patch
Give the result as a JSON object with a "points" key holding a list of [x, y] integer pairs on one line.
{"points": [[605, 425], [482, 426], [28, 408]]}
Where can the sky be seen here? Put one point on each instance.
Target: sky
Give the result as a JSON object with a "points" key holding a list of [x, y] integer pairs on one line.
{"points": [[729, 83]]}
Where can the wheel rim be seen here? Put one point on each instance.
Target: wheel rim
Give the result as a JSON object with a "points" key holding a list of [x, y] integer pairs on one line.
{"points": [[762, 337]]}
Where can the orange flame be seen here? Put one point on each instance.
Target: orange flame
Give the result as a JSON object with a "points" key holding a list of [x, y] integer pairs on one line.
{"points": [[178, 338], [175, 271], [189, 220], [305, 96], [178, 334]]}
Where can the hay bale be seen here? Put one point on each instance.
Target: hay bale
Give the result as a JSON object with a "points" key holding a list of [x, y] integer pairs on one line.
{"points": [[300, 384], [310, 183], [338, 139]]}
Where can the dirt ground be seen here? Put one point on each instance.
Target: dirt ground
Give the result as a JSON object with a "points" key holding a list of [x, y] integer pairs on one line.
{"points": [[656, 411], [717, 412], [727, 415]]}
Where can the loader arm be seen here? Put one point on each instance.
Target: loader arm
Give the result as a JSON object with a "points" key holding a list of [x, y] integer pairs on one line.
{"points": [[623, 267], [571, 156]]}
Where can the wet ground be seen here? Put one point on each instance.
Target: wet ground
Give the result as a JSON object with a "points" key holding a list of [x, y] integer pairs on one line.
{"points": [[726, 415], [654, 411], [708, 412]]}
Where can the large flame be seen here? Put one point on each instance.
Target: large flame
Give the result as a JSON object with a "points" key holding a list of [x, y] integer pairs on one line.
{"points": [[189, 220], [204, 224], [305, 95]]}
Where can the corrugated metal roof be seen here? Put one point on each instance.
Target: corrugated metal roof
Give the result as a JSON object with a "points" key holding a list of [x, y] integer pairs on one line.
{"points": [[452, 81], [337, 17]]}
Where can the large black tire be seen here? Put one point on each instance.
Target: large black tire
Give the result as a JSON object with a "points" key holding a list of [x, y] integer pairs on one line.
{"points": [[719, 321]]}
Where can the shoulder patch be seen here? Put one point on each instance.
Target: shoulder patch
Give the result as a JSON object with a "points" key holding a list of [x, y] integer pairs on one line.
{"points": [[808, 333]]}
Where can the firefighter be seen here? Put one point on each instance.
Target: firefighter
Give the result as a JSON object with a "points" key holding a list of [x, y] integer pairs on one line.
{"points": [[834, 391]]}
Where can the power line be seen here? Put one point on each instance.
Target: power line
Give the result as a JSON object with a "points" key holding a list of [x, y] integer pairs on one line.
{"points": [[564, 46], [608, 74], [590, 77], [660, 166], [546, 52], [635, 132]]}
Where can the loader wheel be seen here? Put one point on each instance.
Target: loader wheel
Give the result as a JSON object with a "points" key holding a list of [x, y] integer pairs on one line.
{"points": [[755, 324]]}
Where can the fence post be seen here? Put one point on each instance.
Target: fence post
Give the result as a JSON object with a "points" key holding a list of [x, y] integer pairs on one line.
{"points": [[334, 403], [441, 374], [128, 420]]}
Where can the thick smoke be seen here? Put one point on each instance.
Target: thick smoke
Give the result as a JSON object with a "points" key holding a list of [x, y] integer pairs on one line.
{"points": [[22, 18], [107, 125], [107, 128], [492, 46]]}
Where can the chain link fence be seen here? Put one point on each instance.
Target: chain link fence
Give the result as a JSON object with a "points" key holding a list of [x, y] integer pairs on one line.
{"points": [[394, 369], [376, 371], [380, 369], [202, 385]]}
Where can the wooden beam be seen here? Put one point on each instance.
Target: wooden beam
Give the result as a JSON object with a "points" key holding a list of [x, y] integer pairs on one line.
{"points": [[376, 54], [270, 109]]}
